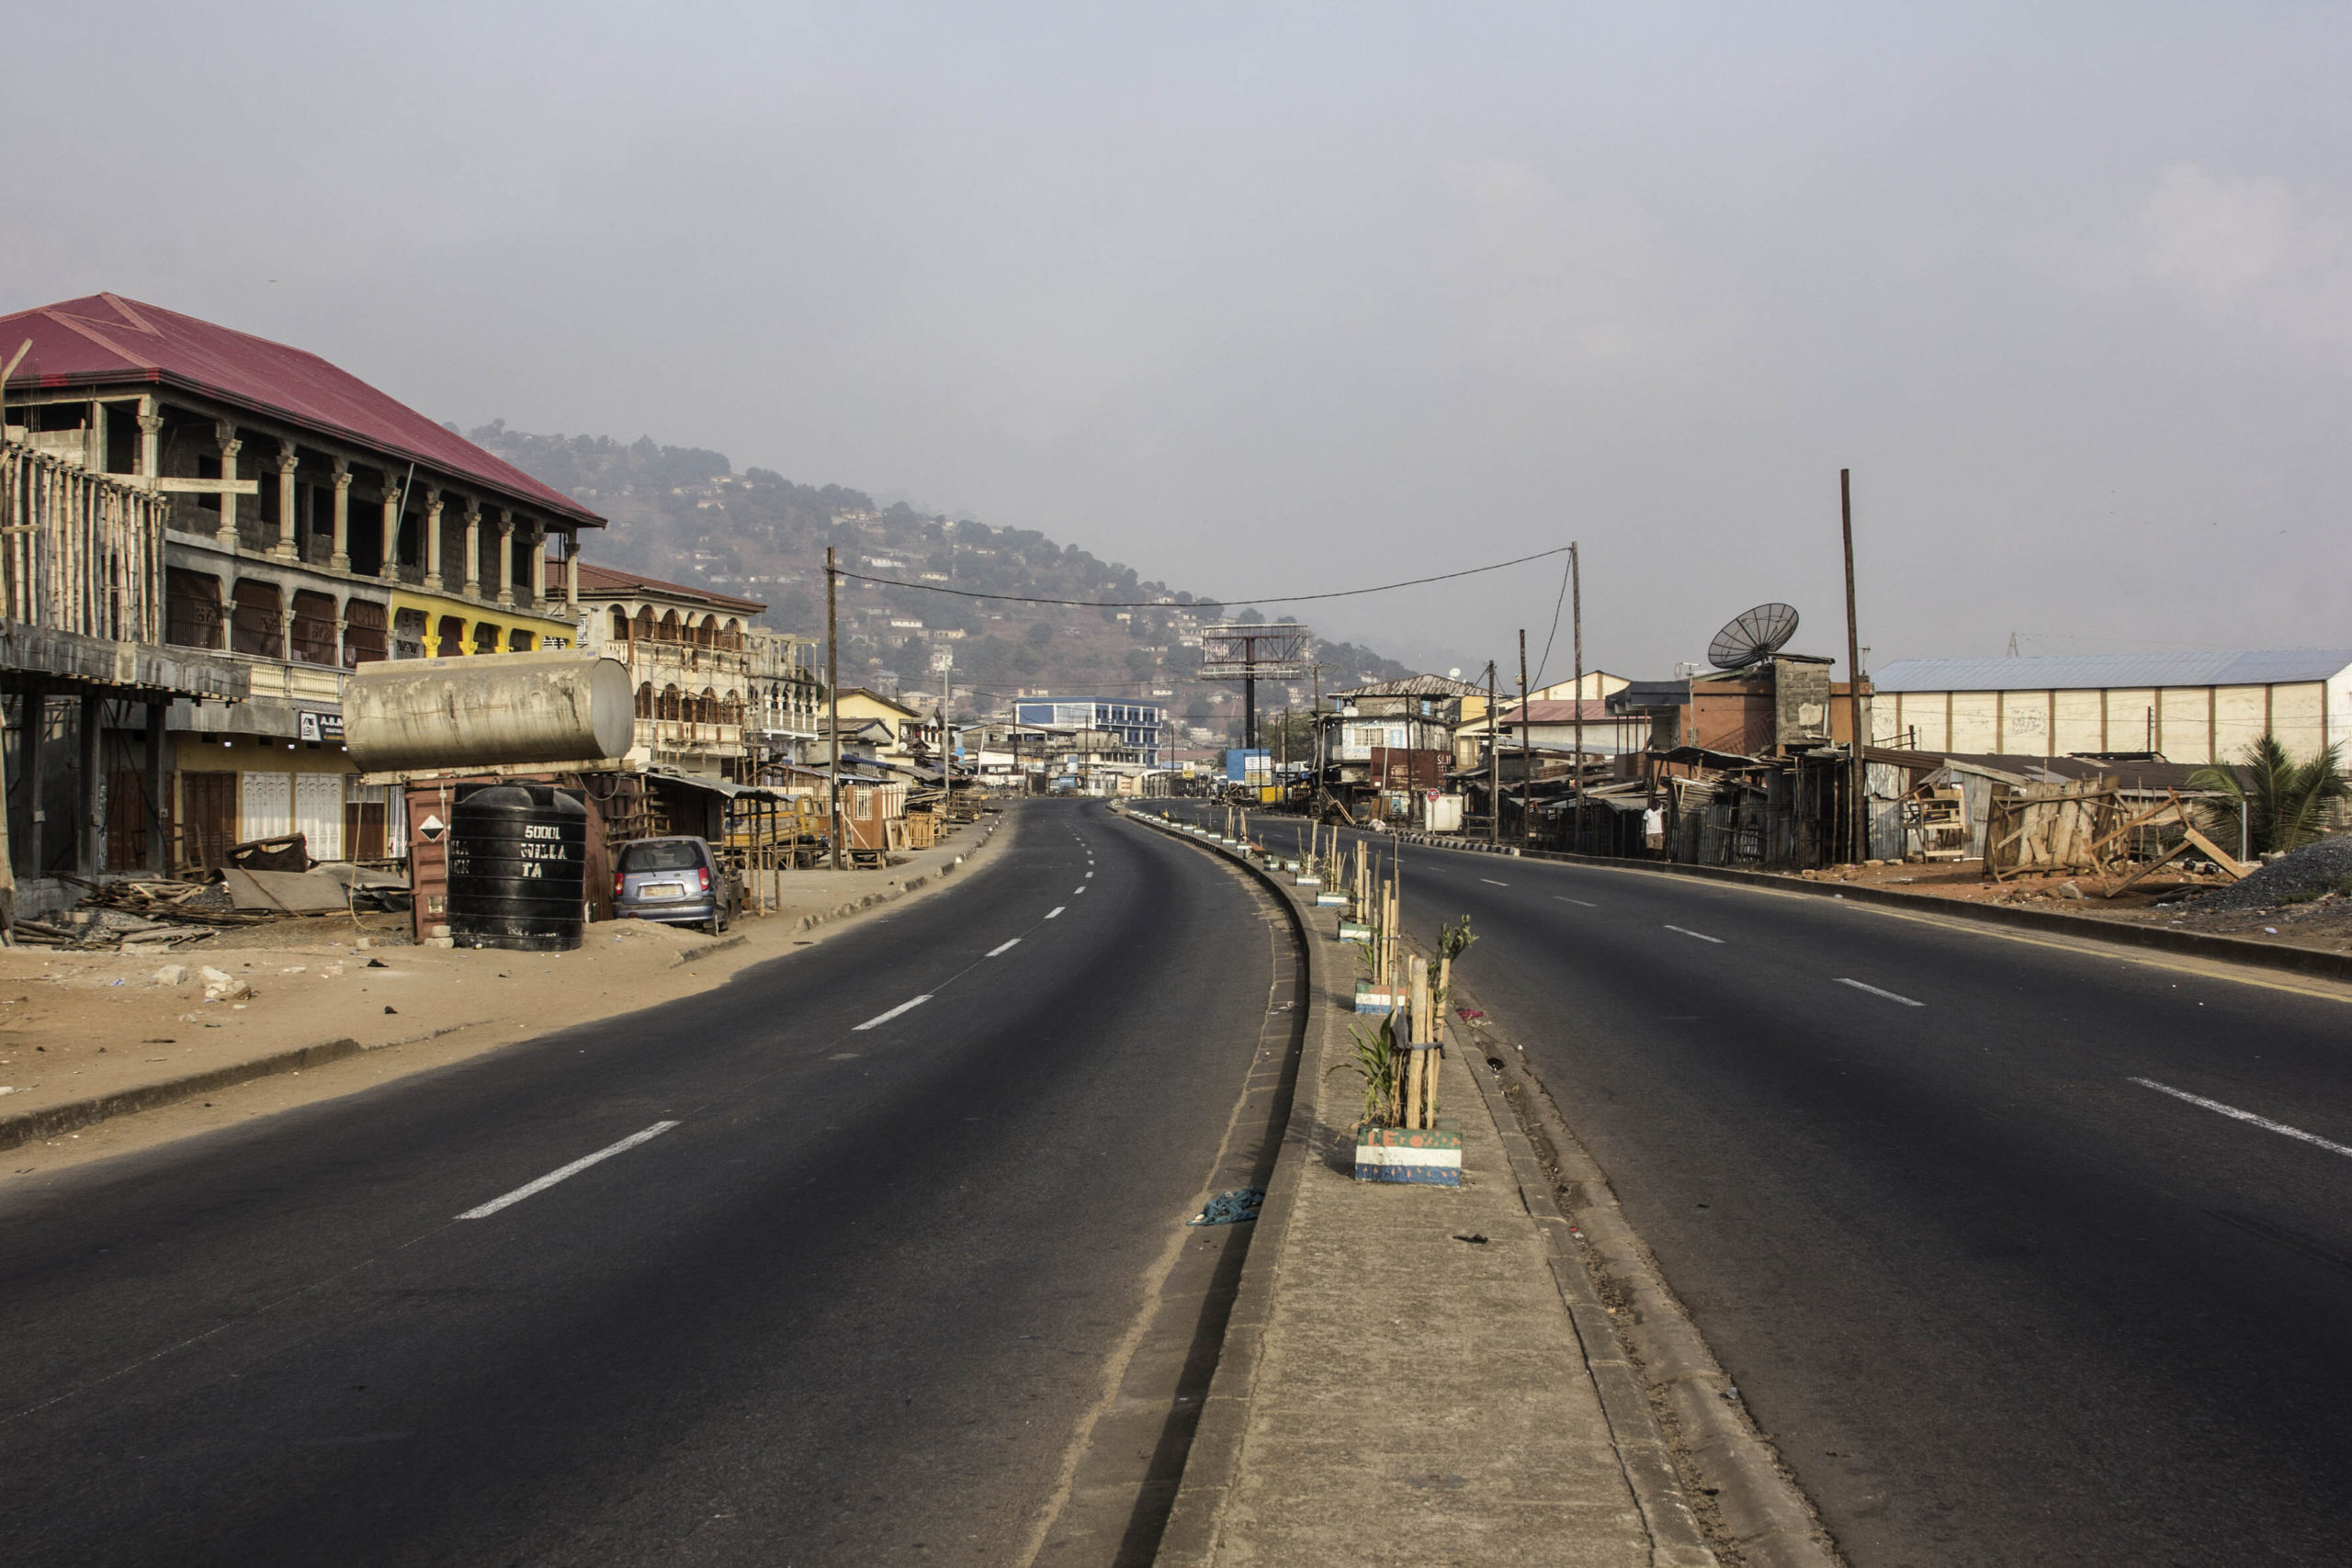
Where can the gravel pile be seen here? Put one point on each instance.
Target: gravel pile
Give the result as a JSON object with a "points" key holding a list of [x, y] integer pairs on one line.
{"points": [[2321, 867]]}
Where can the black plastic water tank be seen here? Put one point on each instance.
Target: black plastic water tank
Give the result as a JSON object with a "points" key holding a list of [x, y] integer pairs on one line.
{"points": [[518, 862]]}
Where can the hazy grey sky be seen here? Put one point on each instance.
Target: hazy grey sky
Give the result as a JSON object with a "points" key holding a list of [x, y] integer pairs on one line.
{"points": [[1274, 296]]}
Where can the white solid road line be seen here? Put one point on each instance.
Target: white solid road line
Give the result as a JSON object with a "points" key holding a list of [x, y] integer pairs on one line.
{"points": [[1492, 883], [887, 1016], [1586, 902], [1000, 950], [1874, 991], [1702, 936], [2232, 1110], [574, 1169], [1055, 910]]}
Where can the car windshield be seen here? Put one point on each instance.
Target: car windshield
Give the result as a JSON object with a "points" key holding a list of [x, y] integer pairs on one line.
{"points": [[674, 854]]}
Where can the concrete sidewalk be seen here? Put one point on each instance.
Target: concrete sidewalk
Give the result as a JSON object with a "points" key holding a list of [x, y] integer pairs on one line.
{"points": [[1402, 1381]]}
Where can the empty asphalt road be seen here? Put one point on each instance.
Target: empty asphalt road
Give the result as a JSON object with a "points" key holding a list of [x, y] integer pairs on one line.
{"points": [[873, 1223], [1984, 1228]]}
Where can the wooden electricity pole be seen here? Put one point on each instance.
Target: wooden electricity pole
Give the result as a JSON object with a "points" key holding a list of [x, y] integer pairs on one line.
{"points": [[1857, 773], [1494, 764], [1576, 611], [1526, 743], [833, 698]]}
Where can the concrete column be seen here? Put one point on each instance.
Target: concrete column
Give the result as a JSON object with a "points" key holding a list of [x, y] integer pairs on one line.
{"points": [[286, 628], [226, 433], [389, 567], [90, 804], [432, 536], [535, 584], [151, 439], [506, 558], [94, 439], [341, 560], [286, 462], [473, 550], [571, 570], [159, 780]]}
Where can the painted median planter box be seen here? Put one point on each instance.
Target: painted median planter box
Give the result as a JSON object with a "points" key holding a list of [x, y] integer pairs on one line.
{"points": [[1330, 899], [1355, 930], [1374, 998], [1426, 1156]]}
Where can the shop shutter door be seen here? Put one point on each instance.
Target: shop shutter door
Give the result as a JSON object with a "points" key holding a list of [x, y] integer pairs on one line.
{"points": [[318, 813], [264, 805]]}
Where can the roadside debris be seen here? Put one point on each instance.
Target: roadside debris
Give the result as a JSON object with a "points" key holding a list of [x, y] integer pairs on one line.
{"points": [[1235, 1206]]}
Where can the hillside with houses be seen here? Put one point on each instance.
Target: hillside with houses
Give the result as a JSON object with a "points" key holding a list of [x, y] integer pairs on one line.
{"points": [[686, 514]]}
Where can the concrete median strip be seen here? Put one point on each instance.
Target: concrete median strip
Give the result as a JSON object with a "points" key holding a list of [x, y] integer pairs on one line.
{"points": [[1386, 1392]]}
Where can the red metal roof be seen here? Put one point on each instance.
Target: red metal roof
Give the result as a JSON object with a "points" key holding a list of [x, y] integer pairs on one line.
{"points": [[604, 581], [105, 340], [1562, 710]]}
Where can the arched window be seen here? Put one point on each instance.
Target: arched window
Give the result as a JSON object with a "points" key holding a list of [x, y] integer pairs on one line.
{"points": [[734, 635], [253, 624], [193, 618], [645, 622], [707, 707], [488, 635], [645, 700], [314, 630], [449, 638], [669, 631], [620, 623], [672, 704], [364, 641]]}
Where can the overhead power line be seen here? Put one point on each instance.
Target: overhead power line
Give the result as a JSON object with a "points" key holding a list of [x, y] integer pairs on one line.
{"points": [[1237, 599]]}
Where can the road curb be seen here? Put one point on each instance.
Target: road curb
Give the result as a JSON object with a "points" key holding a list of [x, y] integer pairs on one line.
{"points": [[1758, 1507], [31, 1126], [2307, 961], [1677, 1540], [858, 906], [1189, 1539]]}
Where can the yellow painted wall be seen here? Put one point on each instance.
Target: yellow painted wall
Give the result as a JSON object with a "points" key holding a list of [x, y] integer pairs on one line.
{"points": [[1973, 722], [2240, 718], [2025, 723], [2184, 715], [2074, 723], [2127, 719], [2295, 712]]}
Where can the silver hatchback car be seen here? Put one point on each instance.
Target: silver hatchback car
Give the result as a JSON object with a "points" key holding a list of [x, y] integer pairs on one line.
{"points": [[675, 880]]}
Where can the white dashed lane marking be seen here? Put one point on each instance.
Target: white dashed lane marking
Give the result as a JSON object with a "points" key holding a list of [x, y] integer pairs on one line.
{"points": [[1002, 948], [1702, 936], [574, 1169], [2231, 1112], [887, 1016], [1874, 991]]}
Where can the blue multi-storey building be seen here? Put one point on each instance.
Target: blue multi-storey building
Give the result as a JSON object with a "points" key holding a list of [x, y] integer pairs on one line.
{"points": [[1143, 725]]}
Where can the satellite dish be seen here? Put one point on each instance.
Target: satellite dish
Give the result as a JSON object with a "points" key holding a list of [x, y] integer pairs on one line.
{"points": [[1754, 637], [1454, 674]]}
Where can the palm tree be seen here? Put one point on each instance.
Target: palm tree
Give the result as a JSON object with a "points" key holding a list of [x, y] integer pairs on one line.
{"points": [[2268, 801]]}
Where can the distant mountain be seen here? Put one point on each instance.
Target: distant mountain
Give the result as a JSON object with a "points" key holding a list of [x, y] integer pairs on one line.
{"points": [[684, 514]]}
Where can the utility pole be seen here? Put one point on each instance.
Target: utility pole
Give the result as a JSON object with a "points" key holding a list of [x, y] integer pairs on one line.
{"points": [[1576, 590], [833, 698], [1526, 743], [1494, 764], [1857, 773], [946, 752]]}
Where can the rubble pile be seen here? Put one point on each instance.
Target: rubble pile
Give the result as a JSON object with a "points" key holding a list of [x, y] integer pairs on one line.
{"points": [[2312, 871]]}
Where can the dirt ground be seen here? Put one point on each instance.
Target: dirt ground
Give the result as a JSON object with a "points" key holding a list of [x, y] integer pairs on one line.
{"points": [[73, 1025], [2160, 900]]}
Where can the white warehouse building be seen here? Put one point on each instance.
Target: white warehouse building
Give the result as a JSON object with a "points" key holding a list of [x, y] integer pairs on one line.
{"points": [[2186, 707]]}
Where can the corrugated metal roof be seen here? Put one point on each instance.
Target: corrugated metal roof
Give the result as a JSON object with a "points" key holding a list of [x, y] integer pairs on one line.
{"points": [[1415, 686], [2081, 671], [105, 339], [602, 582]]}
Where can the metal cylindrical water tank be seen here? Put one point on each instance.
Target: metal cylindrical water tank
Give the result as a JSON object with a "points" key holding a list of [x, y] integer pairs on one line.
{"points": [[490, 710], [518, 862]]}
